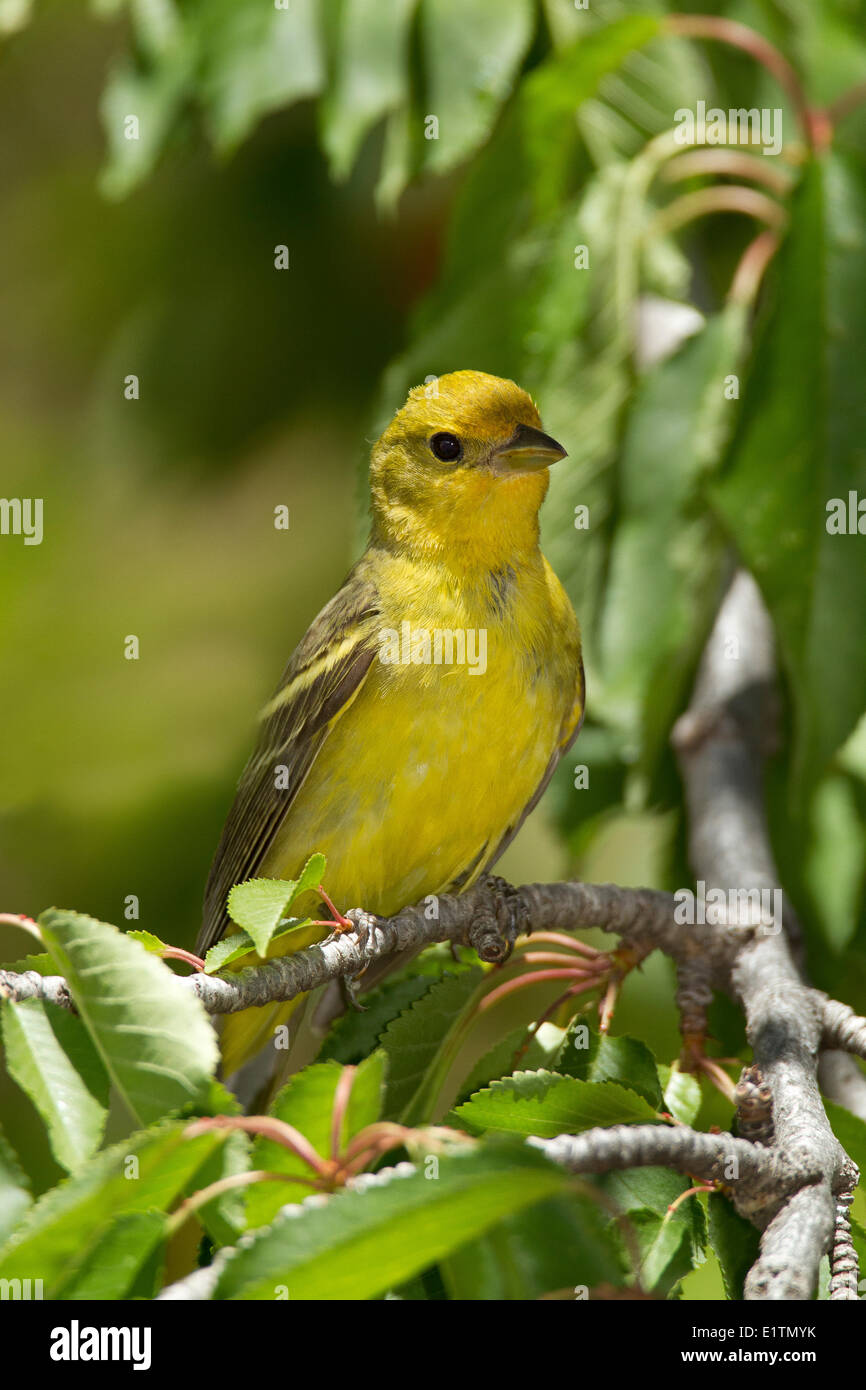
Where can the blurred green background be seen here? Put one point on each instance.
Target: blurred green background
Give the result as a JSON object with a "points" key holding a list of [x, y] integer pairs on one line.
{"points": [[261, 388]]}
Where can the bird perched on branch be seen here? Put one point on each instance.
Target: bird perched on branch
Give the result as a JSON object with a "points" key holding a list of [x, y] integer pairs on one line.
{"points": [[421, 717]]}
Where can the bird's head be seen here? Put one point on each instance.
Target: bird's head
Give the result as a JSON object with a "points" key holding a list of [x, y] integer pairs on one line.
{"points": [[461, 472]]}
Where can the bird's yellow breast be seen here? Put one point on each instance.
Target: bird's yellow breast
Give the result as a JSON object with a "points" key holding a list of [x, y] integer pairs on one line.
{"points": [[447, 740]]}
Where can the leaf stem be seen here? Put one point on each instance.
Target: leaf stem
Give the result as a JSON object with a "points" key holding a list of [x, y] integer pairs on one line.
{"points": [[750, 270], [729, 31], [721, 198], [216, 1189], [341, 1101], [268, 1127], [715, 161]]}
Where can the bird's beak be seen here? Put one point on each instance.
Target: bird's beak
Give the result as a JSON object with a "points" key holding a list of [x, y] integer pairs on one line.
{"points": [[527, 451]]}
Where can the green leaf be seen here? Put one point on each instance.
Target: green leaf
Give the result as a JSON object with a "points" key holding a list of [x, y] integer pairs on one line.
{"points": [[153, 95], [355, 1034], [800, 447], [682, 1094], [15, 1194], [224, 1217], [594, 1056], [362, 1243], [240, 943], [368, 1094], [667, 557], [669, 1244], [734, 1241], [114, 1262], [259, 905], [833, 867], [545, 1104], [41, 964], [508, 274], [416, 1044], [371, 75], [153, 1036], [849, 1130], [255, 59], [145, 1172], [148, 941], [472, 53], [50, 1055], [559, 1244], [499, 1060], [307, 1103]]}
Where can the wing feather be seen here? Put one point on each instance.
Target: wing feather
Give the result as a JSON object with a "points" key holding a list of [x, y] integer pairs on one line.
{"points": [[323, 676]]}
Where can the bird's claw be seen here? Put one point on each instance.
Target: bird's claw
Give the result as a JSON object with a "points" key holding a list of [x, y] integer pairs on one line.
{"points": [[510, 913]]}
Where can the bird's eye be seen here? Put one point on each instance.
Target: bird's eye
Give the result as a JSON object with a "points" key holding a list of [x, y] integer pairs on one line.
{"points": [[446, 447]]}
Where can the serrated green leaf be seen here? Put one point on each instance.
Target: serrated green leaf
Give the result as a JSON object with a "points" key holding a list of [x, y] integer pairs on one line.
{"points": [[239, 944], [362, 1243], [115, 1261], [145, 1172], [307, 1103], [148, 941], [154, 1038], [227, 949], [50, 1055], [594, 1056], [417, 1046], [546, 1104], [682, 1094], [259, 905], [670, 1243], [734, 1241], [15, 1193], [355, 1034], [41, 965], [498, 1062], [559, 1244], [224, 1217]]}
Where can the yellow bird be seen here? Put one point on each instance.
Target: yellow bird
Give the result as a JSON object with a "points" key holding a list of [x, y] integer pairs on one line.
{"points": [[421, 717]]}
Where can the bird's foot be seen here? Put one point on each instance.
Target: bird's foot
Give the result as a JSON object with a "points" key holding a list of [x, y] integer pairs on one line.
{"points": [[510, 916], [349, 990]]}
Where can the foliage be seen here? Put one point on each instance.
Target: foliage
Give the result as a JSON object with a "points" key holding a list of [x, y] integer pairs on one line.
{"points": [[712, 415]]}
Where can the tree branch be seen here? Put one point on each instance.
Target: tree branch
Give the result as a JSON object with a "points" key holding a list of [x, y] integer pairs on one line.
{"points": [[720, 743], [711, 1157], [485, 918]]}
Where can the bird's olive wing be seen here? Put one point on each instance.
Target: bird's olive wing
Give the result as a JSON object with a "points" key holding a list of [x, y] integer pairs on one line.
{"points": [[325, 672]]}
